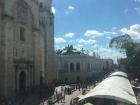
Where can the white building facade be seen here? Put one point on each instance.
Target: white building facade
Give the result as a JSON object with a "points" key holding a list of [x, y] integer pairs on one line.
{"points": [[76, 68], [107, 65]]}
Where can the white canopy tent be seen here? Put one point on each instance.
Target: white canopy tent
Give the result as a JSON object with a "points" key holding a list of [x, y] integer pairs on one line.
{"points": [[116, 87]]}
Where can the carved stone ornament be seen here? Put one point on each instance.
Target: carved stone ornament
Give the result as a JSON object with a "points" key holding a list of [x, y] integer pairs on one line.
{"points": [[22, 12]]}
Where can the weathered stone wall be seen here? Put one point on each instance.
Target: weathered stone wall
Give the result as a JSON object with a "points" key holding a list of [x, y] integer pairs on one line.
{"points": [[9, 70], [12, 41], [51, 74], [1, 52], [8, 10], [37, 57], [47, 22], [34, 55]]}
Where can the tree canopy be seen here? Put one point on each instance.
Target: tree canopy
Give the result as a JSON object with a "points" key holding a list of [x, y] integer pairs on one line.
{"points": [[69, 50], [132, 51]]}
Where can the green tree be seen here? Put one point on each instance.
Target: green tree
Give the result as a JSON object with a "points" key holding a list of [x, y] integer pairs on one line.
{"points": [[125, 43], [69, 49], [59, 51], [82, 51], [132, 51]]}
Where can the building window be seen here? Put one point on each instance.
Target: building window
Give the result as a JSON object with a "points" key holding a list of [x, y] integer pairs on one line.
{"points": [[22, 34], [92, 67], [65, 67], [71, 67], [78, 67], [88, 67], [41, 5]]}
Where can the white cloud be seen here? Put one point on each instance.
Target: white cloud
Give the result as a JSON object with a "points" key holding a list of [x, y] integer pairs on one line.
{"points": [[109, 37], [137, 0], [71, 41], [71, 8], [96, 46], [53, 10], [70, 35], [96, 33], [59, 40], [133, 31], [85, 42], [109, 33], [108, 53], [114, 29], [57, 47], [137, 9], [80, 45], [93, 33], [107, 45], [78, 48]]}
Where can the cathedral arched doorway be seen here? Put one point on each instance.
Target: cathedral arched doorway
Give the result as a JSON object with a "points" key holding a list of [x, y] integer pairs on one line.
{"points": [[22, 82]]}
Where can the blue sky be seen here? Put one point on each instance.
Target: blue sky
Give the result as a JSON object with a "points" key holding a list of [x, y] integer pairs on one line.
{"points": [[90, 24]]}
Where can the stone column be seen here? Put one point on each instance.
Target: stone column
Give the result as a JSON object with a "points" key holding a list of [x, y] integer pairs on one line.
{"points": [[37, 56]]}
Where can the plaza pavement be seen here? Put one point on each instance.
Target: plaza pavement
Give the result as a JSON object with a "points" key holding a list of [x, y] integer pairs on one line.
{"points": [[35, 100], [69, 97]]}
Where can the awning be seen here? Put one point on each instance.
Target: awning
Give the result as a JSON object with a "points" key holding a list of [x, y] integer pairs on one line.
{"points": [[116, 87]]}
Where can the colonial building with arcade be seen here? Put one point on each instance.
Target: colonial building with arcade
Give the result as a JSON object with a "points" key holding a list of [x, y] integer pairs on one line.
{"points": [[73, 66]]}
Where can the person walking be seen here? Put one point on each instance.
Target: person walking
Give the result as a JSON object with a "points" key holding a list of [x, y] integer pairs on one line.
{"points": [[49, 102], [56, 92], [57, 98], [79, 87], [71, 102], [61, 97], [64, 98]]}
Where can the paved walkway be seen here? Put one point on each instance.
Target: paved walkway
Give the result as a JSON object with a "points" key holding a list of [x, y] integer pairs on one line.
{"points": [[138, 100], [69, 97], [35, 100]]}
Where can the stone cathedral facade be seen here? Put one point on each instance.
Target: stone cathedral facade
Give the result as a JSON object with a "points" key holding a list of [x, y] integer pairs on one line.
{"points": [[26, 45]]}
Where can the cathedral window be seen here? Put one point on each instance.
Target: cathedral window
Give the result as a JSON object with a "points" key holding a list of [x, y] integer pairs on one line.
{"points": [[41, 5], [88, 67], [72, 67], [22, 34], [78, 67]]}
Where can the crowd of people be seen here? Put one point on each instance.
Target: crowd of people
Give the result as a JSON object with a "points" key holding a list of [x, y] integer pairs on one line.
{"points": [[61, 91]]}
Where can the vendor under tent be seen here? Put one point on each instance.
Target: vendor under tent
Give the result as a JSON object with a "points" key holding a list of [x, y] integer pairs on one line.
{"points": [[116, 87]]}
